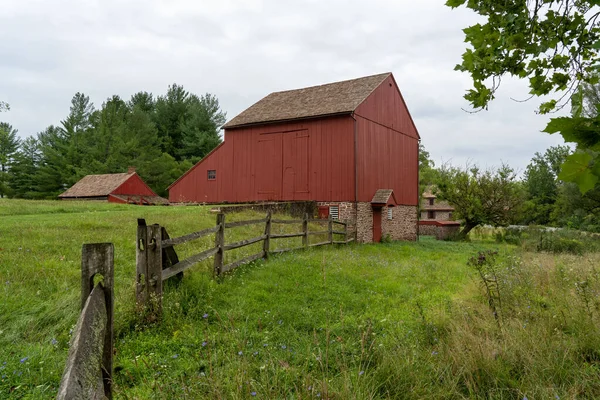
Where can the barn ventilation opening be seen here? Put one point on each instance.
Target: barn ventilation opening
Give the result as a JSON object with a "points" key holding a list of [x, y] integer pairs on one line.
{"points": [[334, 212], [212, 174], [390, 213]]}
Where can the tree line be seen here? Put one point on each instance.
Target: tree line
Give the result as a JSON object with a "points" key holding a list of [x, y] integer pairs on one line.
{"points": [[162, 136], [499, 197]]}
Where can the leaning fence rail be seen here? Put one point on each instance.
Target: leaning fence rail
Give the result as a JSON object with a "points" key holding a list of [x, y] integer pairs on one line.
{"points": [[88, 371], [157, 260]]}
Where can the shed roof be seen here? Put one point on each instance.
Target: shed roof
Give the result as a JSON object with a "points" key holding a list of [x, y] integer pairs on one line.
{"points": [[329, 99], [97, 185], [382, 196]]}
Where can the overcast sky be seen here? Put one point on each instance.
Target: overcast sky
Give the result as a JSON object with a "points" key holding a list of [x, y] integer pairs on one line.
{"points": [[241, 50]]}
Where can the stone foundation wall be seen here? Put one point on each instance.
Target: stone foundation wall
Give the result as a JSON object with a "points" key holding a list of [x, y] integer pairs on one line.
{"points": [[364, 232], [439, 216], [402, 226], [347, 214], [428, 230]]}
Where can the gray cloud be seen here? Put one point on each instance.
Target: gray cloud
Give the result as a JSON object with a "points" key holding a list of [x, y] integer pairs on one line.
{"points": [[242, 50]]}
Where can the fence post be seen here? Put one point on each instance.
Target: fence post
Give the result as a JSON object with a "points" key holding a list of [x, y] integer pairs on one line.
{"points": [[149, 267], [330, 230], [98, 258], [219, 243], [154, 257], [346, 232], [267, 242], [141, 257], [305, 231]]}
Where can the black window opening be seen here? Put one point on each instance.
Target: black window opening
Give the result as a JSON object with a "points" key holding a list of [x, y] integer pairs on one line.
{"points": [[212, 174], [431, 201], [431, 214]]}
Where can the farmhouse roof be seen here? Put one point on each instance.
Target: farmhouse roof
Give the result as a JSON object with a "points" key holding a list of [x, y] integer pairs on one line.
{"points": [[329, 99], [97, 185], [382, 196]]}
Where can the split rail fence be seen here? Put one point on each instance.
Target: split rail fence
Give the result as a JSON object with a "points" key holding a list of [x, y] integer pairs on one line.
{"points": [[157, 260], [88, 371]]}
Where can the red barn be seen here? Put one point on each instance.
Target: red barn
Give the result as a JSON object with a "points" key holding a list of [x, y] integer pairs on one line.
{"points": [[116, 188], [336, 144]]}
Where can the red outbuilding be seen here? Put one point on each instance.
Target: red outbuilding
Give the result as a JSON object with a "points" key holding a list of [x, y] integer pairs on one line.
{"points": [[126, 188], [335, 144]]}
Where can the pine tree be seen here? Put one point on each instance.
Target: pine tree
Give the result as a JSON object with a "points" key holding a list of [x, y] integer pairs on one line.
{"points": [[9, 144]]}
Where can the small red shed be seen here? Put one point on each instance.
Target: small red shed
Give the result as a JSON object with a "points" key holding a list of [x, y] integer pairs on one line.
{"points": [[335, 144], [126, 188]]}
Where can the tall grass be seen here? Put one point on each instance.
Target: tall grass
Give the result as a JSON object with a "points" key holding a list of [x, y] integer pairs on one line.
{"points": [[398, 320]]}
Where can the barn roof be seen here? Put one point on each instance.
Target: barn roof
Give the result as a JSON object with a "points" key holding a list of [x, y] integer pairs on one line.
{"points": [[329, 99], [97, 185]]}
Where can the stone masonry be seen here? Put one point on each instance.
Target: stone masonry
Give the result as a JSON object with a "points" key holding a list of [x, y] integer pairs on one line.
{"points": [[403, 225], [439, 215]]}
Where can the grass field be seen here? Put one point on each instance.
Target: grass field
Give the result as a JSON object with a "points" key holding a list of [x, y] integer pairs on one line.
{"points": [[399, 320]]}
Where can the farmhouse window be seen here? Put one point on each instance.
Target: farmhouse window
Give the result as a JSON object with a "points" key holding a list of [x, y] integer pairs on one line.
{"points": [[431, 214], [431, 201], [390, 213], [212, 174], [334, 212]]}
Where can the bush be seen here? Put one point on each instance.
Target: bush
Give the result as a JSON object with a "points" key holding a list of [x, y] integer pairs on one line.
{"points": [[537, 238]]}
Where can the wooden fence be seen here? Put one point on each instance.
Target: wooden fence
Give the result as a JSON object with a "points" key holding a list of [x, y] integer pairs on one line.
{"points": [[88, 372], [157, 259]]}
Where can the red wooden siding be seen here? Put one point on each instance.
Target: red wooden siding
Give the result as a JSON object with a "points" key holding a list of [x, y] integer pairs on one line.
{"points": [[388, 147], [386, 160], [134, 186], [385, 106], [310, 160]]}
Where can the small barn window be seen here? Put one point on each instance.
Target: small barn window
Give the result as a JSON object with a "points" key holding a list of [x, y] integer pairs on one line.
{"points": [[431, 214], [431, 201], [212, 174], [390, 213], [334, 212]]}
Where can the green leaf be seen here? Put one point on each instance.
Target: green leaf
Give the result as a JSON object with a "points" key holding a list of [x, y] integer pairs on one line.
{"points": [[577, 169], [455, 3]]}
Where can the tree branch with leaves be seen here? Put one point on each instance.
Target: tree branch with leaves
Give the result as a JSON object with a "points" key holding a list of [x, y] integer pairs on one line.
{"points": [[554, 45]]}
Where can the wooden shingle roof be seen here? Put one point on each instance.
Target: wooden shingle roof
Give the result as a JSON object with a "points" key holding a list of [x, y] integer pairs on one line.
{"points": [[97, 185], [382, 196], [329, 99]]}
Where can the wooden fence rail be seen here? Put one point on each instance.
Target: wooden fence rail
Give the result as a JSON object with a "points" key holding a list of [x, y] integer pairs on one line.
{"points": [[88, 371], [157, 260]]}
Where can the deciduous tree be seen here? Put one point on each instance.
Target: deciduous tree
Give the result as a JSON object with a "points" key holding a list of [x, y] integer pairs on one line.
{"points": [[480, 197], [554, 45]]}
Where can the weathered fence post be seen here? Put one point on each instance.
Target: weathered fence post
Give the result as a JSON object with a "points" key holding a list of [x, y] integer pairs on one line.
{"points": [[267, 242], [330, 230], [346, 232], [155, 267], [219, 243], [305, 231], [149, 267], [88, 372]]}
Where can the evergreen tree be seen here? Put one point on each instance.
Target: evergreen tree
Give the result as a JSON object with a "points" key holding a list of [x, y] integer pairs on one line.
{"points": [[171, 113], [201, 129], [55, 174], [9, 144], [24, 169]]}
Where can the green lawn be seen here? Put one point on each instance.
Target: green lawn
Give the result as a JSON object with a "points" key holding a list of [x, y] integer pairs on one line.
{"points": [[400, 320]]}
